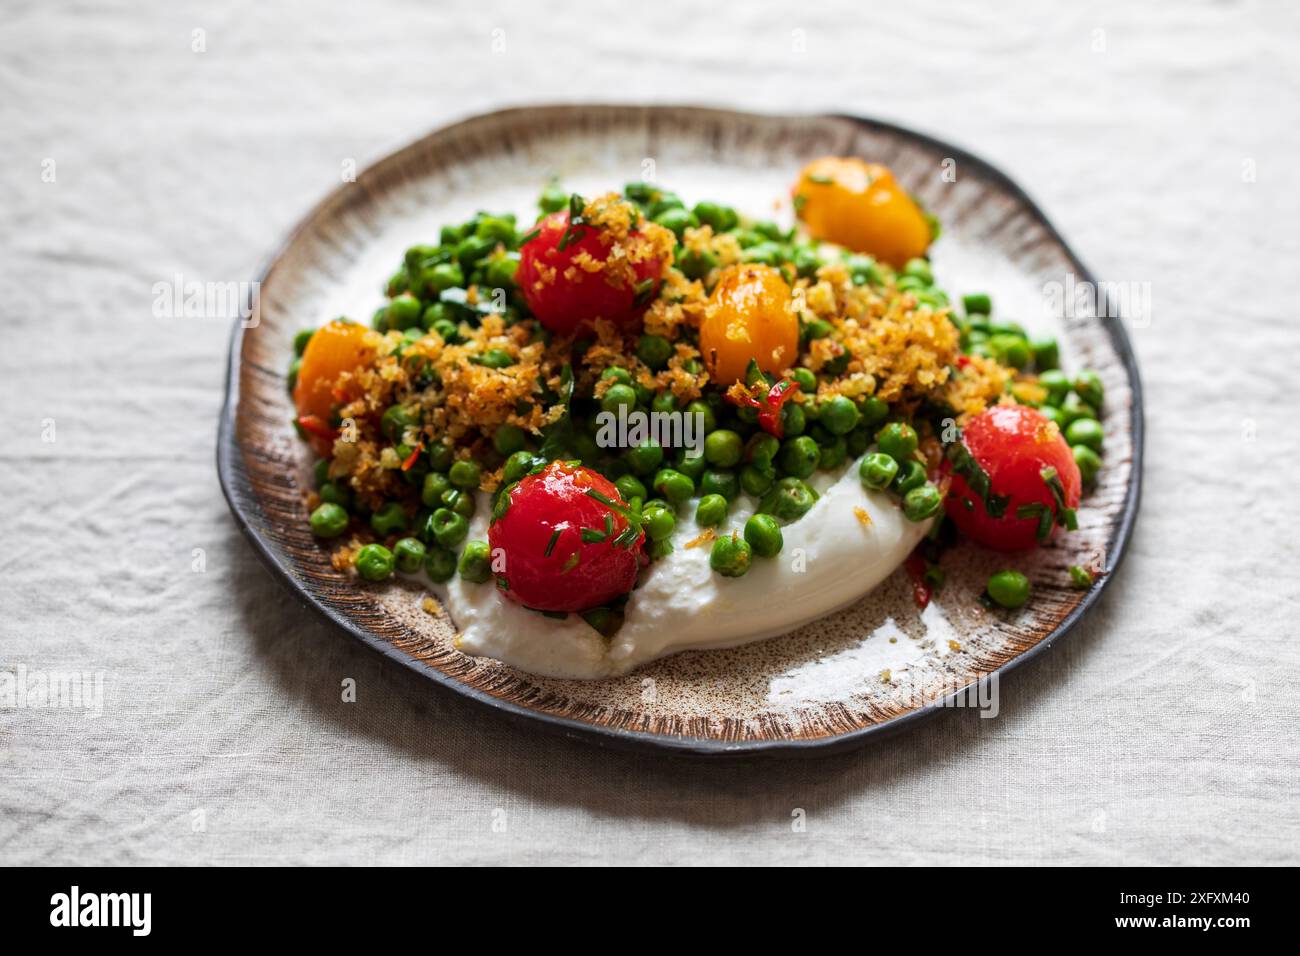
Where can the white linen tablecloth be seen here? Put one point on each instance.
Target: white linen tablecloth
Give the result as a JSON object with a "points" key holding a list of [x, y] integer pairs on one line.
{"points": [[144, 141]]}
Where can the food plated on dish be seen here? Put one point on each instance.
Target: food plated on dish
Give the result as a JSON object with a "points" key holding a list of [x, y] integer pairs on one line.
{"points": [[640, 425]]}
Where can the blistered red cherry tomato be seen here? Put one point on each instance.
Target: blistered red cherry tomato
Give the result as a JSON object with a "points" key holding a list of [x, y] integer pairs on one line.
{"points": [[594, 276], [1013, 444], [566, 542]]}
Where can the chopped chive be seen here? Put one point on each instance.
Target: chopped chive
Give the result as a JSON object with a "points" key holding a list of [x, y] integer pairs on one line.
{"points": [[550, 545]]}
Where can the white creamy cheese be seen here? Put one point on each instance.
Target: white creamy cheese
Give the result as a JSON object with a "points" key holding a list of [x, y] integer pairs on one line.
{"points": [[831, 559]]}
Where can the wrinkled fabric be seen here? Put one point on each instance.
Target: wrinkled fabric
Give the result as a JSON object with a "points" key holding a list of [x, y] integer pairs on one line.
{"points": [[1163, 730]]}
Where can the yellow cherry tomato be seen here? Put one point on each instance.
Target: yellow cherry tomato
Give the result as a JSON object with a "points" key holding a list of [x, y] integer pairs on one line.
{"points": [[749, 316], [335, 348], [853, 203]]}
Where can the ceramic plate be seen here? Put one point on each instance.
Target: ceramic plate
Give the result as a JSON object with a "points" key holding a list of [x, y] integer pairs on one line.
{"points": [[871, 669]]}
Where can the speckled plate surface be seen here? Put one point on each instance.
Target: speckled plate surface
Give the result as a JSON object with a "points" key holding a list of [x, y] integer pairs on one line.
{"points": [[871, 669]]}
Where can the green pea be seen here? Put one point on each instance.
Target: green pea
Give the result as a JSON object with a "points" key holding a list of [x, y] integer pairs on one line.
{"points": [[1053, 414], [731, 556], [863, 270], [440, 564], [799, 456], [1009, 588], [677, 220], [440, 456], [920, 269], [321, 471], [519, 464], [619, 398], [552, 199], [755, 481], [721, 218], [301, 339], [644, 458], [1089, 463], [922, 503], [788, 500], [1047, 354], [766, 253], [877, 471], [673, 485], [396, 420], [654, 350], [375, 562], [459, 501], [707, 421], [617, 374], [509, 439], [697, 263], [472, 249], [1057, 385], [408, 553], [1087, 385], [977, 303], [818, 329], [1085, 431], [443, 276], [874, 410], [664, 402], [805, 378], [389, 518], [1074, 408], [833, 453], [664, 201], [450, 235], [858, 441], [500, 272], [1080, 578], [764, 535], [493, 358], [404, 312], [839, 416], [448, 528], [465, 474], [329, 520], [434, 484], [806, 262], [911, 474], [476, 562], [910, 284], [762, 449], [723, 448], [629, 487], [496, 228], [658, 522], [638, 192], [793, 419], [1010, 350], [691, 464], [335, 493], [717, 482], [711, 511], [898, 440]]}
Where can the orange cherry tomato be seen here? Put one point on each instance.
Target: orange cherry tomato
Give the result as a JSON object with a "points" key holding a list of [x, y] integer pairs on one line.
{"points": [[335, 348], [860, 205], [749, 316]]}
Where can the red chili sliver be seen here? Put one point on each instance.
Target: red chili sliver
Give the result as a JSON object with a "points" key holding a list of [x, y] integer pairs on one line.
{"points": [[769, 405], [412, 458]]}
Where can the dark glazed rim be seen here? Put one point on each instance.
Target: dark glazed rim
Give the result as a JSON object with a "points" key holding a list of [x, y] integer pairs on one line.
{"points": [[239, 495]]}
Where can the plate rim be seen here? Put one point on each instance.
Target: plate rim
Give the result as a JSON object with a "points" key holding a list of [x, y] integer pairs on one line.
{"points": [[238, 494]]}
